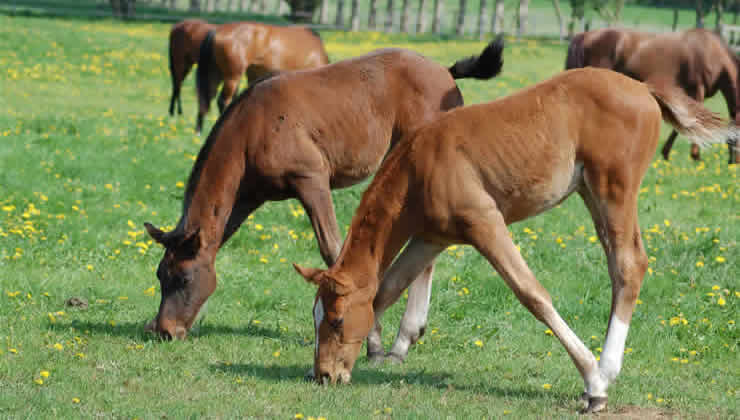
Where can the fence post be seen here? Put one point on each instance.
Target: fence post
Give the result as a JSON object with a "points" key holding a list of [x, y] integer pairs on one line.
{"points": [[461, 18], [421, 21], [389, 16], [481, 19], [523, 15], [339, 21], [355, 15], [404, 25], [498, 17], [437, 16]]}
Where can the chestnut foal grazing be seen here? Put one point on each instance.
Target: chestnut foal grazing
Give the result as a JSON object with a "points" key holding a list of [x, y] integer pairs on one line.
{"points": [[298, 135], [257, 49], [464, 177], [185, 40], [697, 61]]}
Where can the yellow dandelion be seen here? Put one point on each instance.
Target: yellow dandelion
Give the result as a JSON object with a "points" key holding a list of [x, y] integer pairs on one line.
{"points": [[75, 400], [44, 373], [180, 184], [700, 264], [59, 346], [478, 343], [592, 239], [39, 381], [547, 386], [276, 354], [548, 332], [721, 301], [720, 259], [298, 416], [12, 350]]}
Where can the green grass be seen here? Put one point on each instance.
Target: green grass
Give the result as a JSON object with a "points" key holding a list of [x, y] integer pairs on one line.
{"points": [[87, 154]]}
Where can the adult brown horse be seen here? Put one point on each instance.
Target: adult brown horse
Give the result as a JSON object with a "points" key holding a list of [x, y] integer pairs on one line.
{"points": [[298, 135], [185, 40], [464, 177], [696, 60], [257, 49]]}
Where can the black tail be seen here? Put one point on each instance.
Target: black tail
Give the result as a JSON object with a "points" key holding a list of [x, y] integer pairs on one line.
{"points": [[485, 66], [175, 88], [204, 64], [576, 54]]}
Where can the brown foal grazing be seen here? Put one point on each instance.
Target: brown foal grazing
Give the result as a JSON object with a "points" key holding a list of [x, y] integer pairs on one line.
{"points": [[185, 40], [298, 135], [698, 61], [257, 49], [464, 177]]}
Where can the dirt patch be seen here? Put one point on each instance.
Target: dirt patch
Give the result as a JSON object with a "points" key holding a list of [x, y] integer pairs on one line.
{"points": [[636, 412]]}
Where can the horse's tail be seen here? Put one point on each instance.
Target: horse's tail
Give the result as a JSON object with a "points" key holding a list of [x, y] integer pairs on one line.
{"points": [[690, 118], [175, 88], [205, 58], [576, 57], [484, 66]]}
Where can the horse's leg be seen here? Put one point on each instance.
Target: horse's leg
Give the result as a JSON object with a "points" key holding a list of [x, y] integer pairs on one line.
{"points": [[188, 64], [231, 84], [695, 154], [488, 233], [414, 266], [315, 195], [669, 145], [731, 92], [617, 225]]}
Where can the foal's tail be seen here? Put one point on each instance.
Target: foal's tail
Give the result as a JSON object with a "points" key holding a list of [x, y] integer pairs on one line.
{"points": [[576, 57], [484, 66], [691, 119], [205, 58]]}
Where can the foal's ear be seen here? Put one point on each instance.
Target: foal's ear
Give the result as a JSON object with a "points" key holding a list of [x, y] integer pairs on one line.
{"points": [[312, 275], [156, 233]]}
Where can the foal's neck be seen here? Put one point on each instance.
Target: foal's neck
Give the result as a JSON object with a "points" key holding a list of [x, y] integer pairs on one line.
{"points": [[383, 223]]}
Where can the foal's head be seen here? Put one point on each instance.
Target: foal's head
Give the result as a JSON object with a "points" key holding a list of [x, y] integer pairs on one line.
{"points": [[343, 316], [187, 278]]}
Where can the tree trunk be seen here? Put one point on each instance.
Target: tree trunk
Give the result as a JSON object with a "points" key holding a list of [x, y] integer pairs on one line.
{"points": [[523, 17], [339, 21], [243, 5], [355, 15], [405, 16], [481, 19], [559, 15], [389, 16], [699, 14], [421, 21], [460, 27], [324, 13], [437, 16], [497, 21], [195, 5]]}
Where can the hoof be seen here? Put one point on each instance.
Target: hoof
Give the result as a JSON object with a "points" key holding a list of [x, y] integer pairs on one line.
{"points": [[595, 404], [309, 376], [394, 358], [376, 358]]}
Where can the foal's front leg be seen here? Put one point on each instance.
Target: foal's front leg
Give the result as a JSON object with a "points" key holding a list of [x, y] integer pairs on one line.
{"points": [[414, 266], [314, 193]]}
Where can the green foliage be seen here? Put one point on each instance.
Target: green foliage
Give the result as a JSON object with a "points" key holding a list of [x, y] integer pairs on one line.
{"points": [[88, 154]]}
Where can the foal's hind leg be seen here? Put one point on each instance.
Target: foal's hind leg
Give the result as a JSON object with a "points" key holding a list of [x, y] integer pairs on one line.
{"points": [[414, 266], [488, 233], [617, 225], [315, 195]]}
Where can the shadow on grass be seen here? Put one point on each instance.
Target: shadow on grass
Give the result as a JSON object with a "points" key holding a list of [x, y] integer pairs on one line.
{"points": [[135, 330], [370, 376]]}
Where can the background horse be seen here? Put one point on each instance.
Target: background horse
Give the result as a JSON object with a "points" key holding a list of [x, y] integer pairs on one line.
{"points": [[696, 60], [185, 40], [253, 48], [466, 176], [298, 135]]}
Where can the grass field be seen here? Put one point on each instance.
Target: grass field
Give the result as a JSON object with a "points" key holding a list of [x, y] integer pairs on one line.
{"points": [[87, 154]]}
